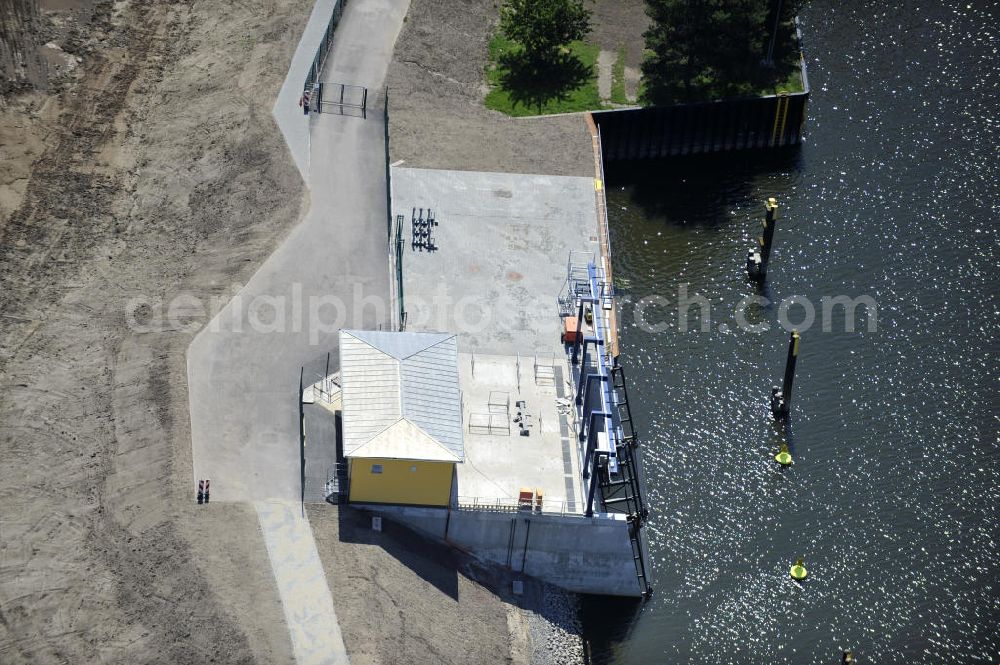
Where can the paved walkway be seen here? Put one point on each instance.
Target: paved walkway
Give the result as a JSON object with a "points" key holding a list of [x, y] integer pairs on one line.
{"points": [[243, 368], [305, 595], [286, 111], [332, 272]]}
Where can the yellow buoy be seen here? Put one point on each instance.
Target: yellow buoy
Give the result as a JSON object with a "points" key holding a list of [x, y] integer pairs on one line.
{"points": [[784, 458], [798, 571]]}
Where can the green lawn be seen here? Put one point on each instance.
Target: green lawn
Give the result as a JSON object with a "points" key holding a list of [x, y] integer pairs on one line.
{"points": [[519, 88], [792, 84]]}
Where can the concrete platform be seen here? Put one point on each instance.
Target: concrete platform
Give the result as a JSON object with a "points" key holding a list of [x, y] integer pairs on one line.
{"points": [[498, 460], [503, 243], [582, 554]]}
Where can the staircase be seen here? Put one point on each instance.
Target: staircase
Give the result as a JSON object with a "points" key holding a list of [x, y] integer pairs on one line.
{"points": [[335, 491], [622, 492], [780, 119]]}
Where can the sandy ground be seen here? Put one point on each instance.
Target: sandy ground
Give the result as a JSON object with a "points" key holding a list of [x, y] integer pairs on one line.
{"points": [[617, 23], [153, 168], [158, 172], [436, 90], [437, 86], [419, 603]]}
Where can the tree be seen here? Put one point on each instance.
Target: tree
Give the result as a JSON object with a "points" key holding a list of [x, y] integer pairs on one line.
{"points": [[714, 48], [542, 26], [679, 38]]}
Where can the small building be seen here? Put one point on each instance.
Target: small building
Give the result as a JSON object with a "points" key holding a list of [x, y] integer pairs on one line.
{"points": [[402, 416]]}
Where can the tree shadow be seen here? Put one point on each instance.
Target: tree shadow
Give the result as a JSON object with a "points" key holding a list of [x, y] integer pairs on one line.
{"points": [[536, 81], [697, 190]]}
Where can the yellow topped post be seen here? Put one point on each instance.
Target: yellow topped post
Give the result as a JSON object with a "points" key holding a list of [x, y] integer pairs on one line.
{"points": [[798, 571], [757, 258]]}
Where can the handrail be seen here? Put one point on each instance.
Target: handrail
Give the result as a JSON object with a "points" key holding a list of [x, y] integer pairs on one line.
{"points": [[607, 399], [323, 50], [511, 505]]}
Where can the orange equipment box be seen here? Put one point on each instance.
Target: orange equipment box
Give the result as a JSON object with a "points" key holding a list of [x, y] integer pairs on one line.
{"points": [[569, 330]]}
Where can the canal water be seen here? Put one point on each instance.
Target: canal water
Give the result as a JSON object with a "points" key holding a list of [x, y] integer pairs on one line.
{"points": [[893, 496]]}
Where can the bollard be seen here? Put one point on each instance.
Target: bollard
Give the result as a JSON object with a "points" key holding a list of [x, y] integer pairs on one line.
{"points": [[206, 490], [201, 492], [781, 397], [758, 257]]}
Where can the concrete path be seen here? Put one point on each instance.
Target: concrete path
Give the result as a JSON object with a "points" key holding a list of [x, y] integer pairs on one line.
{"points": [[605, 65], [332, 272], [287, 113], [305, 594]]}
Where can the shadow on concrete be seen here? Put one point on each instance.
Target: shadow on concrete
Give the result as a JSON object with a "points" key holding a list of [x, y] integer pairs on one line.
{"points": [[697, 190], [536, 82]]}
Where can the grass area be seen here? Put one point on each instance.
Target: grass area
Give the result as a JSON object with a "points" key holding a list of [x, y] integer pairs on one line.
{"points": [[618, 95], [791, 84], [519, 87]]}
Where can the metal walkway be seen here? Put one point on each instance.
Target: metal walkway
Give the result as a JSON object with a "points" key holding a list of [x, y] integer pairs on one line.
{"points": [[622, 492]]}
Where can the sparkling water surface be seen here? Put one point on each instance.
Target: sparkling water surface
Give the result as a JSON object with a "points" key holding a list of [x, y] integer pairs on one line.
{"points": [[893, 496]]}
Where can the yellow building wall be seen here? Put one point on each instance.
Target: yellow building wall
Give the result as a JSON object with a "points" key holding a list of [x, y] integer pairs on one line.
{"points": [[401, 481]]}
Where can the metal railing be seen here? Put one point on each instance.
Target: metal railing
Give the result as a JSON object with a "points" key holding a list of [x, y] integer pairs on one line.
{"points": [[323, 50], [510, 505]]}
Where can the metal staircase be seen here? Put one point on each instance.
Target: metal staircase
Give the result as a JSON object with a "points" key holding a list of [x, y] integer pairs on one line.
{"points": [[336, 489], [622, 492], [577, 285]]}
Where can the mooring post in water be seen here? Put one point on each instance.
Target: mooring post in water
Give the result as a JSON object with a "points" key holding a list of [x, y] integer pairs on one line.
{"points": [[782, 397], [758, 257]]}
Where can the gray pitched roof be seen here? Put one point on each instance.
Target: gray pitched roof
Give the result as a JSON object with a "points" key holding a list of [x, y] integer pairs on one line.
{"points": [[390, 376]]}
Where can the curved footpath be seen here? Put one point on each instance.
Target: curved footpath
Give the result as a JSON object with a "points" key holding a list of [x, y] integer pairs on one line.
{"points": [[243, 367]]}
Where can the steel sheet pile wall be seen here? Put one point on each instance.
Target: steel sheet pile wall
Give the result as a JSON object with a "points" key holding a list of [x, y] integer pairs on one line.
{"points": [[686, 129]]}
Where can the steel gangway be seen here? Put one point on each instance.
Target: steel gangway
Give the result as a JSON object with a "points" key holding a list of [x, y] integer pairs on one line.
{"points": [[622, 492]]}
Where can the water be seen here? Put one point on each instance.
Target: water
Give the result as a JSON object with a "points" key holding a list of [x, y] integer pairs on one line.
{"points": [[893, 496]]}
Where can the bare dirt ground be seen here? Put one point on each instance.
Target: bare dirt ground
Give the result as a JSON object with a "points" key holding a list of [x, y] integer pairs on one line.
{"points": [[150, 168], [436, 90], [417, 602], [617, 23], [157, 170], [437, 86], [391, 589]]}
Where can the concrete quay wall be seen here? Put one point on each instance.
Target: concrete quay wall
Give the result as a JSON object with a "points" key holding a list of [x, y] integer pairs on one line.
{"points": [[585, 555]]}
